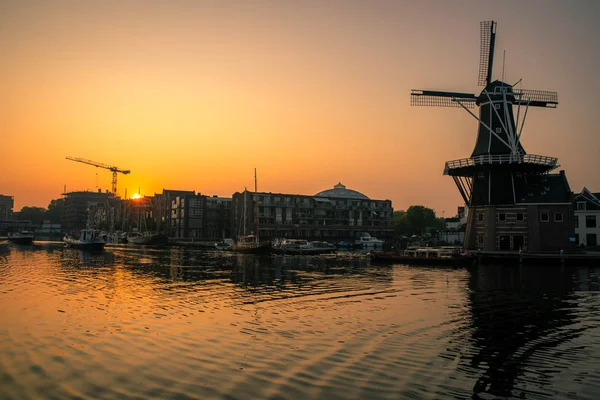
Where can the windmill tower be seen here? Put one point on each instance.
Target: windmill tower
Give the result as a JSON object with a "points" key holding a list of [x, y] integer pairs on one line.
{"points": [[511, 195]]}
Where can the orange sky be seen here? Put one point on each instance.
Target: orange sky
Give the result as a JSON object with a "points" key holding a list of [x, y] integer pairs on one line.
{"points": [[194, 95]]}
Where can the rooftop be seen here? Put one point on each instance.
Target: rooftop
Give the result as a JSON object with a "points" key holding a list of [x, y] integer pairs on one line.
{"points": [[340, 191], [545, 188]]}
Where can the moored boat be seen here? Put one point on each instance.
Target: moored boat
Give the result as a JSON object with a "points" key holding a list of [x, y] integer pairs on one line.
{"points": [[318, 247], [148, 239], [113, 238], [366, 241], [289, 246], [22, 237], [304, 247], [444, 256], [225, 244], [345, 245], [89, 239], [249, 245]]}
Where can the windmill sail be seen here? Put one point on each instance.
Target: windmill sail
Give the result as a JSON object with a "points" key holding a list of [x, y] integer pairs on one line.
{"points": [[486, 59], [441, 99], [536, 98]]}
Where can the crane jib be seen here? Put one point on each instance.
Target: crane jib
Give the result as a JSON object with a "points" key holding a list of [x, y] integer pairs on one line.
{"points": [[111, 168]]}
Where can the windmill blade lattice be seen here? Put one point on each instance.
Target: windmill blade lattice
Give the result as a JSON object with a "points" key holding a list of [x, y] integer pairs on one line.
{"points": [[441, 99], [536, 98], [486, 58]]}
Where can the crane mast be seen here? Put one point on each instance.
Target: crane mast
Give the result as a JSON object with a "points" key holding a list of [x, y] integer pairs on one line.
{"points": [[111, 168]]}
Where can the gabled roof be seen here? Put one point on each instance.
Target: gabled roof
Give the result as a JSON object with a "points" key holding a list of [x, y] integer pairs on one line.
{"points": [[547, 188], [586, 195]]}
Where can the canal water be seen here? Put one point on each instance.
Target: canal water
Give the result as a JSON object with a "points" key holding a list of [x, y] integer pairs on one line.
{"points": [[130, 323]]}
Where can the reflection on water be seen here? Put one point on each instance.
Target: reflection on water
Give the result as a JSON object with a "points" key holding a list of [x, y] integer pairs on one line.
{"points": [[532, 326], [189, 324]]}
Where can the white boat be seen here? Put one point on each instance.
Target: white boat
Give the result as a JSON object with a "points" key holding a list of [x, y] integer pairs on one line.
{"points": [[22, 237], [89, 239], [290, 244], [367, 241], [318, 247]]}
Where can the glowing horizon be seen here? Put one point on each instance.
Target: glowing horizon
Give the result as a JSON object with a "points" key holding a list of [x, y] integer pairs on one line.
{"points": [[194, 96]]}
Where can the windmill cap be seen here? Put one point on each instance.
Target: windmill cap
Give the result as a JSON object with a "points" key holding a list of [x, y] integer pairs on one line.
{"points": [[495, 91]]}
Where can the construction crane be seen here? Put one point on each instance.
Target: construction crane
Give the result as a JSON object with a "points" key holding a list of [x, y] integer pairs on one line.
{"points": [[109, 167]]}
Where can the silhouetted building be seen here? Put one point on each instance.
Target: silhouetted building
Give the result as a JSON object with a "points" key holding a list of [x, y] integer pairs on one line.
{"points": [[77, 204], [200, 217], [540, 220], [332, 215], [112, 214], [6, 207], [162, 214], [217, 212], [49, 229], [587, 218]]}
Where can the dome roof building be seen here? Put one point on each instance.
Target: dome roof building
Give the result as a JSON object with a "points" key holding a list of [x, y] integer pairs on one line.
{"points": [[333, 215], [340, 191]]}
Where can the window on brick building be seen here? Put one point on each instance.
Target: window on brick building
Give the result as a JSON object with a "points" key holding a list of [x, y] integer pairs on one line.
{"points": [[558, 217], [590, 221]]}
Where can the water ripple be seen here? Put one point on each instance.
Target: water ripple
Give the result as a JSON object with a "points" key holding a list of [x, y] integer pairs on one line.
{"points": [[135, 323]]}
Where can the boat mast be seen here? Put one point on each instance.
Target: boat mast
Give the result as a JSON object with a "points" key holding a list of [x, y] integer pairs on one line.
{"points": [[255, 206], [244, 218]]}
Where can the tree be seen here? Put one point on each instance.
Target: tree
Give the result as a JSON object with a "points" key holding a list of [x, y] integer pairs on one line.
{"points": [[34, 214], [55, 210], [416, 220], [420, 218], [401, 224]]}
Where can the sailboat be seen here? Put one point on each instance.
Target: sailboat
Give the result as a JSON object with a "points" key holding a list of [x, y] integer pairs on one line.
{"points": [[147, 238], [250, 244]]}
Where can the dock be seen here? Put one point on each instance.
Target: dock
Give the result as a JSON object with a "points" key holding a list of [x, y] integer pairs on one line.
{"points": [[202, 244], [525, 258]]}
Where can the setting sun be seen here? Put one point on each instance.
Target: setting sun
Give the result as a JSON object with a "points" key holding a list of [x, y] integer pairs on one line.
{"points": [[136, 196]]}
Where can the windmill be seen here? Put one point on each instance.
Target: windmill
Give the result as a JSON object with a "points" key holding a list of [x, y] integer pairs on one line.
{"points": [[499, 172]]}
